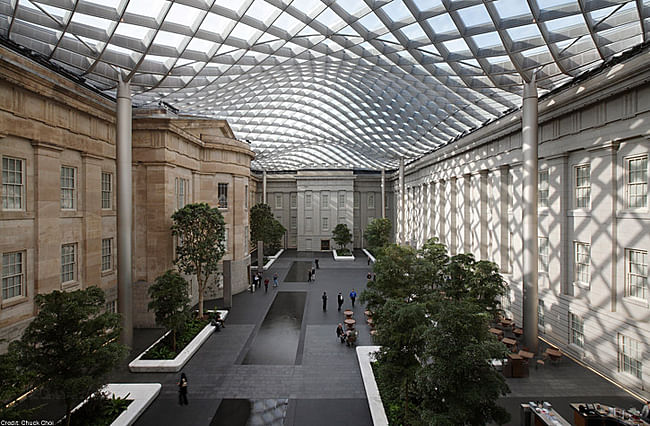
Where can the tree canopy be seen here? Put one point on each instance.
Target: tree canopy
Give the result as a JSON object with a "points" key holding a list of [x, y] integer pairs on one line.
{"points": [[200, 230], [432, 313], [264, 227], [342, 235], [170, 302], [71, 345], [378, 234]]}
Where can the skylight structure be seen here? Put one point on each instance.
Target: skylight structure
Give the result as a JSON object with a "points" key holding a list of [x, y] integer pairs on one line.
{"points": [[330, 84]]}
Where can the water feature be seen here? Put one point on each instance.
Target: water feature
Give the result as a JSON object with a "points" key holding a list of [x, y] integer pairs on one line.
{"points": [[277, 341], [298, 272]]}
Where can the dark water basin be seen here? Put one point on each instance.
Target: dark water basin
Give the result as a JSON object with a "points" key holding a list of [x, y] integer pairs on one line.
{"points": [[276, 342]]}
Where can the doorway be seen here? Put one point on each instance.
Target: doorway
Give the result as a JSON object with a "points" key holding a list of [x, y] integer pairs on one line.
{"points": [[324, 245]]}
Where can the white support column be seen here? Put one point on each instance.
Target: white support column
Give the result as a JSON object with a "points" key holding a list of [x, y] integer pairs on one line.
{"points": [[530, 249], [264, 186], [124, 210], [402, 202], [383, 194]]}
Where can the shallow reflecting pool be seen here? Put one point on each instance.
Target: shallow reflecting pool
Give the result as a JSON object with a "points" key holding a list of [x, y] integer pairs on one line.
{"points": [[277, 340]]}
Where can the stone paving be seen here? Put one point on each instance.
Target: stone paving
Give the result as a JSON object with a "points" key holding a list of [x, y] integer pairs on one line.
{"points": [[324, 386]]}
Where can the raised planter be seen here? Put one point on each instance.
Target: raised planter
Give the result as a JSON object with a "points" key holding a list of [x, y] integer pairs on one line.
{"points": [[140, 394], [271, 260], [139, 365], [370, 256], [365, 356], [340, 258]]}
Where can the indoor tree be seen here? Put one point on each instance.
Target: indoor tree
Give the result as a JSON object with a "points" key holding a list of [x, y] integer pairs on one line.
{"points": [[72, 344], [200, 230], [170, 302], [378, 234], [342, 235], [264, 227]]}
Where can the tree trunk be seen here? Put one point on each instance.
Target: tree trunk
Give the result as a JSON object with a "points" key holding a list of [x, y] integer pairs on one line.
{"points": [[174, 340], [199, 281], [68, 413]]}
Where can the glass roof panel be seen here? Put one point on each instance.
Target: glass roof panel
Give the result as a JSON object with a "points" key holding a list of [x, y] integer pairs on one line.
{"points": [[350, 83]]}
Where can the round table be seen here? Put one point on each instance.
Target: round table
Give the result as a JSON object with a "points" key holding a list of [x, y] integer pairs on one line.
{"points": [[368, 314], [348, 313], [350, 323], [371, 323]]}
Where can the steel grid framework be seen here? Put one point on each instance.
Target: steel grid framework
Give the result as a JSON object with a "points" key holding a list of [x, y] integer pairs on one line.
{"points": [[325, 83]]}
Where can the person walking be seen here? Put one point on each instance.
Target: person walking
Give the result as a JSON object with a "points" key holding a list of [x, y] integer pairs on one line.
{"points": [[259, 280], [182, 390], [340, 333], [275, 280], [339, 299], [324, 297], [256, 280], [353, 296], [316, 262], [309, 277], [645, 411], [266, 285]]}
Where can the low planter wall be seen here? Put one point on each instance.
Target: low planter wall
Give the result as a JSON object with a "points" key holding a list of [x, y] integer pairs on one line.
{"points": [[140, 394], [140, 365], [341, 258], [271, 260], [365, 356], [370, 256]]}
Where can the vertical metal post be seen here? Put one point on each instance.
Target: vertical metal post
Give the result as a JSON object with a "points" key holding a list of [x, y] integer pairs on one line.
{"points": [[530, 193], [402, 202], [124, 210], [383, 194], [264, 186]]}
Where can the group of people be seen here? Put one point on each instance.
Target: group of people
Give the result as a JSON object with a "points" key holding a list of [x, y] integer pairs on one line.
{"points": [[257, 281], [339, 299], [349, 337]]}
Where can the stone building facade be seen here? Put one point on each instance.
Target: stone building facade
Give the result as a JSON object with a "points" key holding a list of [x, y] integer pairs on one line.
{"points": [[58, 197], [310, 204], [594, 217]]}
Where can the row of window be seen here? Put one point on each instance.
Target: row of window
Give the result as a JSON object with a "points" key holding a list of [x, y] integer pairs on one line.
{"points": [[636, 267], [324, 200], [630, 355], [13, 267], [636, 184], [13, 186]]}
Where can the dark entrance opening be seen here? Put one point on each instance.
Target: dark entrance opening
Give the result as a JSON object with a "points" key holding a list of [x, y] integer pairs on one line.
{"points": [[324, 244]]}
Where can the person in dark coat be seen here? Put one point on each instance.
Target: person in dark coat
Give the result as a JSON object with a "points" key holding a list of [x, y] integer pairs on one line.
{"points": [[316, 261], [309, 276], [340, 333], [339, 299], [324, 297], [266, 285], [182, 390], [353, 296]]}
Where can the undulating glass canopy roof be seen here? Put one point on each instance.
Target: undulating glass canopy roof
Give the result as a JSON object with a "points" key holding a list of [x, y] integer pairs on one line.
{"points": [[330, 83]]}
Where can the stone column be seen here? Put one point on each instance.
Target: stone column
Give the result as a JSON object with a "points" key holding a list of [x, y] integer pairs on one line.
{"points": [[402, 202], [530, 191], [227, 284], [383, 195], [124, 210], [264, 186], [483, 215]]}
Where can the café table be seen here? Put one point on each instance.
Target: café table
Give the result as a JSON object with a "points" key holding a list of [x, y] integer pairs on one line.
{"points": [[350, 323], [506, 322], [348, 313], [526, 355], [496, 332], [554, 354], [508, 341]]}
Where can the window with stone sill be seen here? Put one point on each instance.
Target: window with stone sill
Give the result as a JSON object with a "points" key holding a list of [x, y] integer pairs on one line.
{"points": [[107, 254], [636, 182], [371, 201], [636, 274], [583, 186], [68, 188], [13, 183], [582, 262], [68, 263], [294, 200], [308, 200], [278, 201], [13, 275], [107, 190], [324, 200], [222, 195], [630, 356], [576, 330], [542, 193]]}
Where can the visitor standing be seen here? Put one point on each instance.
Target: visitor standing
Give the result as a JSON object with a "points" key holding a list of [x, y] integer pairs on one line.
{"points": [[353, 296], [645, 411], [324, 297], [340, 333], [313, 274], [339, 299], [259, 280], [275, 280], [266, 285], [256, 280], [182, 390], [309, 277], [316, 262]]}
